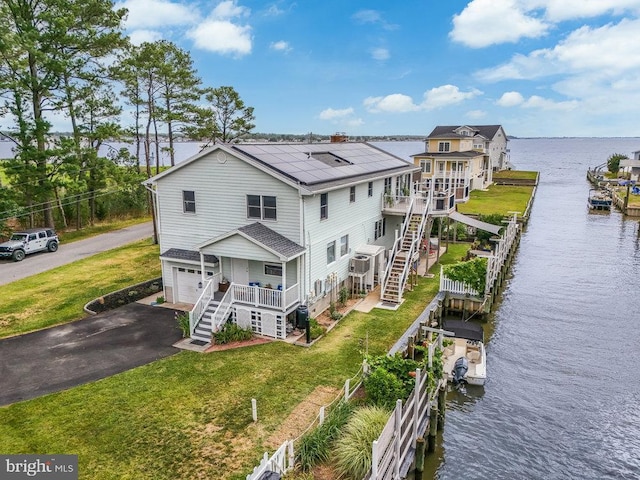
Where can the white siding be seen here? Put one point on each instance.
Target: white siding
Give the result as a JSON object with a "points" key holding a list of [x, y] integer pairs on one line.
{"points": [[355, 219], [220, 197], [238, 246]]}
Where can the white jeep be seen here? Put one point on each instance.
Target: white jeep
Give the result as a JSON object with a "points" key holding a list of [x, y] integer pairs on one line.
{"points": [[29, 241]]}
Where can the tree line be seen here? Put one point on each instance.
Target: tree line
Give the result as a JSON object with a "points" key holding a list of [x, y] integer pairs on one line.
{"points": [[71, 59]]}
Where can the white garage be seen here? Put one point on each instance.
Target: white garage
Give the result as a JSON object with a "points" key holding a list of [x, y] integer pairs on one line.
{"points": [[186, 282]]}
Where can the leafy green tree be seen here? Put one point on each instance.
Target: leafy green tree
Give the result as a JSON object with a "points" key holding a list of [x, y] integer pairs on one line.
{"points": [[46, 45], [613, 162], [225, 119]]}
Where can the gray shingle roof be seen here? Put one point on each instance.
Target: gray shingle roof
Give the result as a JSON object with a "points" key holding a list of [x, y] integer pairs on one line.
{"points": [[488, 131], [465, 154], [272, 239], [191, 255]]}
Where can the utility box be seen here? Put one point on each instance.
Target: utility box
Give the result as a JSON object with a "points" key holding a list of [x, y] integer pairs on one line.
{"points": [[302, 316], [360, 264]]}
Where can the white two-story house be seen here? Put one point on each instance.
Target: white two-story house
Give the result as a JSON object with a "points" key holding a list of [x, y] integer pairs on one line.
{"points": [[253, 231]]}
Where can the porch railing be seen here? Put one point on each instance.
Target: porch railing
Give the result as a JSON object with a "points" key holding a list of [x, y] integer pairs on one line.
{"points": [[265, 297]]}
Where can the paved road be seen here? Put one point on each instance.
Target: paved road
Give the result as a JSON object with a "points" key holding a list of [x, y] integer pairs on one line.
{"points": [[67, 253], [62, 357]]}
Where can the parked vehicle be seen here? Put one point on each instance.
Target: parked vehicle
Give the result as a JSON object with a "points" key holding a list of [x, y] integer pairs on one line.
{"points": [[29, 241]]}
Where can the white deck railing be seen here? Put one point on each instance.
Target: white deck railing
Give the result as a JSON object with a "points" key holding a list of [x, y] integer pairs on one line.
{"points": [[210, 286], [281, 462], [264, 297]]}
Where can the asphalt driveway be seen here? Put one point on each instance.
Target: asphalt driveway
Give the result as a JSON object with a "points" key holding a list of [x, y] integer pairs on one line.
{"points": [[86, 350]]}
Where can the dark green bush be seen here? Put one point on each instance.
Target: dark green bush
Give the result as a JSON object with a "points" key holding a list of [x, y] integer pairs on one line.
{"points": [[231, 332]]}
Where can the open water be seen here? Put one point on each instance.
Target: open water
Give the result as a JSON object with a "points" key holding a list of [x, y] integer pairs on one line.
{"points": [[562, 397]]}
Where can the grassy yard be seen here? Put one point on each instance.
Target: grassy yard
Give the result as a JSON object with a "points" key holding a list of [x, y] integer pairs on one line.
{"points": [[497, 199], [189, 416], [515, 174], [63, 291]]}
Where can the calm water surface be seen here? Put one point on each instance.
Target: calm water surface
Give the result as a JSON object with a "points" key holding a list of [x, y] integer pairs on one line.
{"points": [[562, 397]]}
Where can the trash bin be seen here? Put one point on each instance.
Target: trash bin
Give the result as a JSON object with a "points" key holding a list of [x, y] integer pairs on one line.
{"points": [[302, 316]]}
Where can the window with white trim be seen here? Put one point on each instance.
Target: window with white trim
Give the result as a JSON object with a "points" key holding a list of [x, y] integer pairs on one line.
{"points": [[331, 252], [380, 228], [262, 207], [189, 201], [344, 245], [352, 194], [425, 165], [444, 146], [370, 189]]}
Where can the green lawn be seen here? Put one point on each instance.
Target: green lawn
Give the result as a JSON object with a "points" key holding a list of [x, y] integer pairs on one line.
{"points": [[72, 235], [515, 174], [61, 293], [189, 416], [497, 199]]}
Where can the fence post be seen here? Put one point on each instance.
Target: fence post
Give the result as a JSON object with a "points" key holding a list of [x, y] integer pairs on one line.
{"points": [[254, 409], [374, 460], [291, 455], [346, 389], [321, 415], [416, 407], [398, 437]]}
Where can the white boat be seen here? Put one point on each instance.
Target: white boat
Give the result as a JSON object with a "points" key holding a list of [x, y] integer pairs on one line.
{"points": [[465, 360]]}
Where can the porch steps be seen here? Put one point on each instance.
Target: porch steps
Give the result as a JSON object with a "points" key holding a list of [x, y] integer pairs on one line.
{"points": [[205, 326]]}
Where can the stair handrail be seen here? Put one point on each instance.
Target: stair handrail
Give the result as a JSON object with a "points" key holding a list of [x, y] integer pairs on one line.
{"points": [[396, 246], [221, 312], [196, 313]]}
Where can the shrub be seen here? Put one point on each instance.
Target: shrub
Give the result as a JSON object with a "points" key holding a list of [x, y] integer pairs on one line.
{"points": [[389, 379], [160, 299], [353, 448], [383, 389], [231, 332], [317, 330], [343, 296], [315, 446], [473, 273], [183, 323]]}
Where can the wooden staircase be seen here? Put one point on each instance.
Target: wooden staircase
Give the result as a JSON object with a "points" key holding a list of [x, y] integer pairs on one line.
{"points": [[406, 251]]}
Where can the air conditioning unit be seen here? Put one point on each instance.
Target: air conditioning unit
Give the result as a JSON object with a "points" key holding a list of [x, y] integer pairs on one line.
{"points": [[360, 264]]}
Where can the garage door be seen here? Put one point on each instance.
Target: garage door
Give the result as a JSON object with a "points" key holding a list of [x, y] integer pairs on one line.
{"points": [[187, 285]]}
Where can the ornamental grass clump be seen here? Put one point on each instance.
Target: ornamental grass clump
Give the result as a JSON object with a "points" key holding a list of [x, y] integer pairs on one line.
{"points": [[353, 449], [315, 446]]}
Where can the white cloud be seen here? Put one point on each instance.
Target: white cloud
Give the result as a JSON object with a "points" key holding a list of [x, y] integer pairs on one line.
{"points": [[560, 10], [229, 9], [331, 114], [437, 97], [274, 11], [541, 103], [476, 114], [488, 22], [219, 34], [607, 51], [280, 46], [380, 54], [138, 37], [447, 95], [373, 17], [355, 122], [145, 14], [510, 99], [394, 103]]}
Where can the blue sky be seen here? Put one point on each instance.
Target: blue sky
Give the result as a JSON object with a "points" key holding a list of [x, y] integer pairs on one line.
{"points": [[537, 67]]}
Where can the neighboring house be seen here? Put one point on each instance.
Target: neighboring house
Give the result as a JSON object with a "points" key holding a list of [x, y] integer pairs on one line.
{"points": [[631, 167], [466, 155], [285, 224]]}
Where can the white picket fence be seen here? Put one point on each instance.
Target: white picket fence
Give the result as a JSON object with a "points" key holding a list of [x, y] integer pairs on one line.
{"points": [[280, 462], [494, 263], [283, 460]]}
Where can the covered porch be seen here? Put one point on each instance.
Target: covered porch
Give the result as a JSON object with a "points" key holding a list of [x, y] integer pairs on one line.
{"points": [[259, 276]]}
